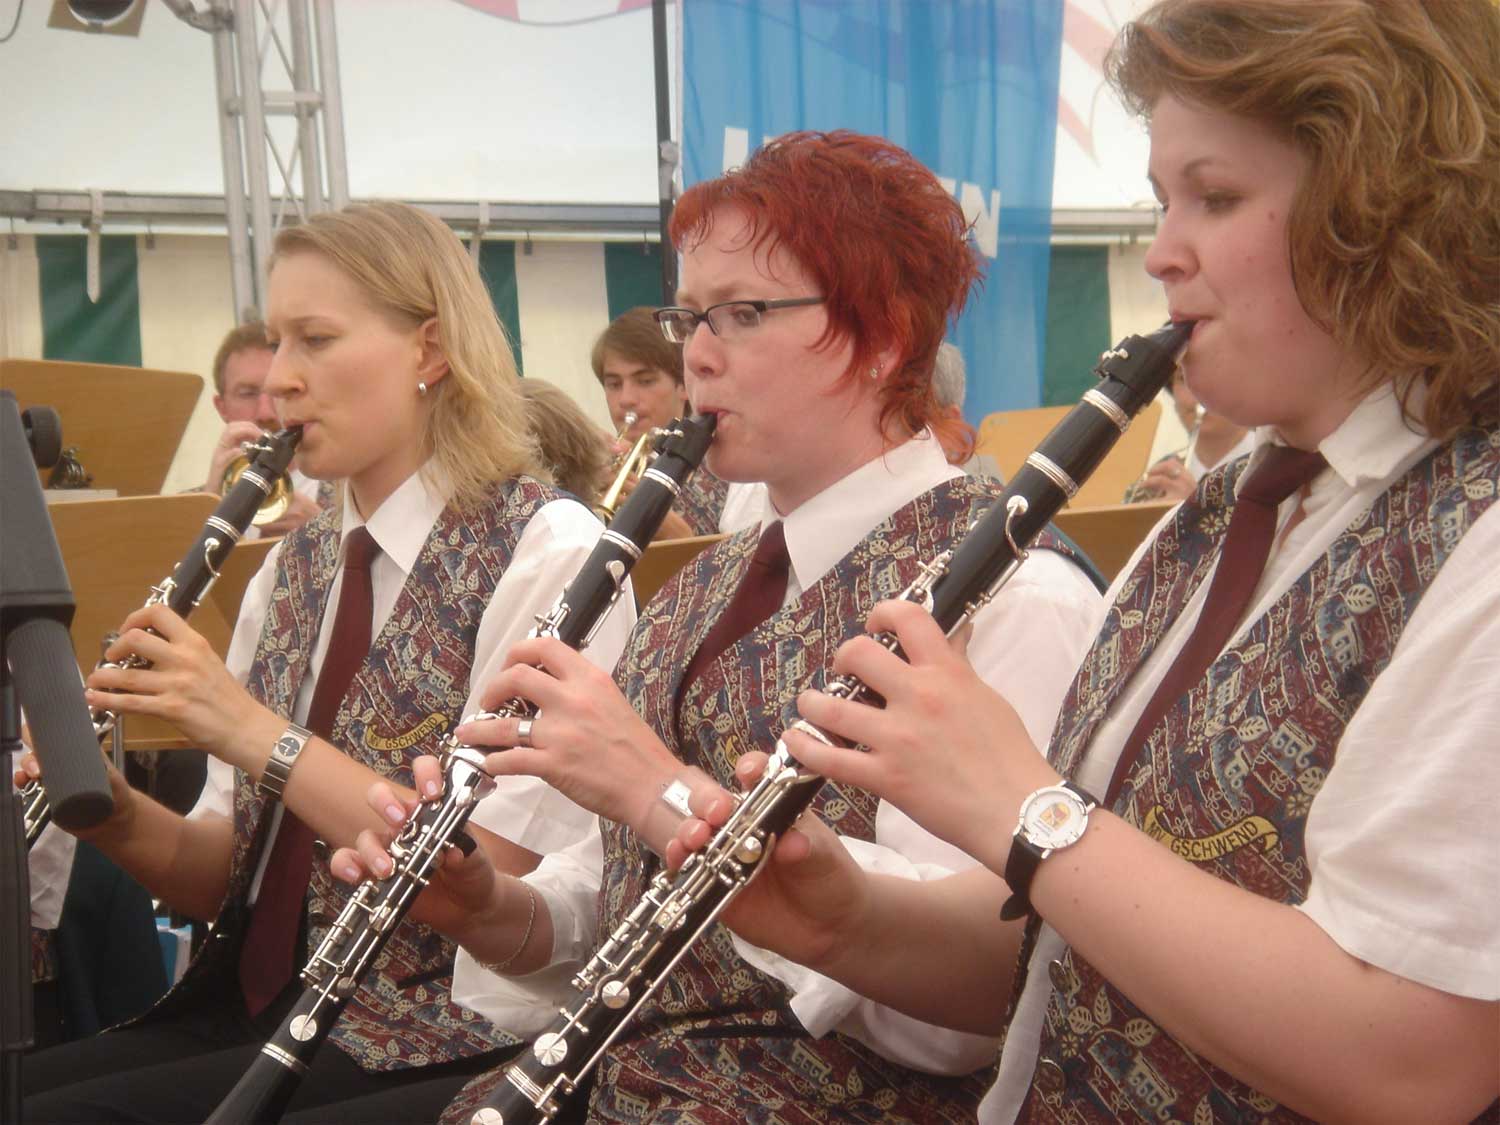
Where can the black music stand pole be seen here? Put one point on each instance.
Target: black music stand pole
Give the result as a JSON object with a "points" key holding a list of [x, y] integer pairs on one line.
{"points": [[16, 1031]]}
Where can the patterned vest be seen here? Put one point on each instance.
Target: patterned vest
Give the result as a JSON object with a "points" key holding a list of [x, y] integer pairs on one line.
{"points": [[719, 1043], [409, 693], [701, 502], [1227, 779]]}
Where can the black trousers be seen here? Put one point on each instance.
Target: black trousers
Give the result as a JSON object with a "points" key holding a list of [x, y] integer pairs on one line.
{"points": [[178, 1070]]}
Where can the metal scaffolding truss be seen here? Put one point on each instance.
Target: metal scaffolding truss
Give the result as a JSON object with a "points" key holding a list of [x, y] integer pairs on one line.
{"points": [[277, 72]]}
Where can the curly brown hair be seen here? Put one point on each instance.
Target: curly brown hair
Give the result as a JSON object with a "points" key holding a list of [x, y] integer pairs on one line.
{"points": [[1395, 232]]}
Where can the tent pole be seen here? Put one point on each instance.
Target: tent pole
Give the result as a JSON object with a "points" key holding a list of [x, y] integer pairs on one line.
{"points": [[667, 151]]}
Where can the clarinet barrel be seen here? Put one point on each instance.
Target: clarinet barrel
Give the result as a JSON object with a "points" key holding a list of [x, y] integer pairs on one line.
{"points": [[677, 910]]}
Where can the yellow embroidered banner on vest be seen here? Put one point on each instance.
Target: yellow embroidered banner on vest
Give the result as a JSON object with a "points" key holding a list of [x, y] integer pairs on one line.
{"points": [[1200, 849], [427, 727]]}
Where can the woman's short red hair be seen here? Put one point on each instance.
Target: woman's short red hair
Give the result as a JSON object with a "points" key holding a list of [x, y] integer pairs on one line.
{"points": [[888, 247]]}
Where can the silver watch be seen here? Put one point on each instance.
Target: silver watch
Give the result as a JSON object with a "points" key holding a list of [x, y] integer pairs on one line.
{"points": [[283, 758]]}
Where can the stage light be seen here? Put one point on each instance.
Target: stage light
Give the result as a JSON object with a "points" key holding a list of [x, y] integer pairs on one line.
{"points": [[110, 17]]}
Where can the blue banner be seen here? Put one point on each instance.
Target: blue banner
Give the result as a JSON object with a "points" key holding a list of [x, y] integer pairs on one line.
{"points": [[969, 87]]}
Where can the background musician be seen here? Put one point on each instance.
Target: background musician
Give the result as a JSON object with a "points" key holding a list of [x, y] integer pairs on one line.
{"points": [[641, 373], [576, 451], [240, 368], [1213, 440], [1284, 906], [371, 627], [817, 282]]}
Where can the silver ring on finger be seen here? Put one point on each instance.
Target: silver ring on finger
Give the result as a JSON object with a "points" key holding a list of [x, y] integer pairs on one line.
{"points": [[675, 797], [523, 733]]}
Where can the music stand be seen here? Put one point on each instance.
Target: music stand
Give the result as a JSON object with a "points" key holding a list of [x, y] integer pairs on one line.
{"points": [[1009, 435], [1109, 534], [126, 422], [116, 550], [662, 559]]}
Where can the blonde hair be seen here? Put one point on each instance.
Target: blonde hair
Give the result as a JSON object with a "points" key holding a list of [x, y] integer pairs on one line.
{"points": [[1395, 231], [575, 449], [412, 267]]}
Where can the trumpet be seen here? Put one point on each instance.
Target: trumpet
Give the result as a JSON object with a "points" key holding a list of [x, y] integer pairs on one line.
{"points": [[629, 467], [276, 501]]}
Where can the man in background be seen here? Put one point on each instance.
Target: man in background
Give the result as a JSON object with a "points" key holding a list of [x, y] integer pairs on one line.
{"points": [[240, 368]]}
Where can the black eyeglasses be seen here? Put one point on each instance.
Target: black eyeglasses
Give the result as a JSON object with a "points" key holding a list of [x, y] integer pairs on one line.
{"points": [[728, 319]]}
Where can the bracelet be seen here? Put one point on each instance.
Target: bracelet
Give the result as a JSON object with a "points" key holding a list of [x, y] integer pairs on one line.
{"points": [[283, 758], [501, 966]]}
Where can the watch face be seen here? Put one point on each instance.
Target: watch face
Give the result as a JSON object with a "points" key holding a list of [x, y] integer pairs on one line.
{"points": [[1053, 818]]}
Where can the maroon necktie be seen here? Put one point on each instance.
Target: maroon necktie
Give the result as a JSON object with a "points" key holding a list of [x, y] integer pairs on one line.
{"points": [[1247, 545], [271, 938], [761, 593]]}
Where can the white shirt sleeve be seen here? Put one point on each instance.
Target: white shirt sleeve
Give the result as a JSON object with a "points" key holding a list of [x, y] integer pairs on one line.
{"points": [[566, 884], [551, 551], [217, 797], [49, 865], [1402, 839], [1027, 644]]}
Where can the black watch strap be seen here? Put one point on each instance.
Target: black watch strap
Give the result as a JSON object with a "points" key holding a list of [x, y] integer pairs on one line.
{"points": [[1020, 869], [1023, 860]]}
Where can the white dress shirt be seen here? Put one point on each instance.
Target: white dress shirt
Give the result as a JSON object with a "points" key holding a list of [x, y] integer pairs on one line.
{"points": [[1027, 642], [549, 553], [1402, 840], [49, 865]]}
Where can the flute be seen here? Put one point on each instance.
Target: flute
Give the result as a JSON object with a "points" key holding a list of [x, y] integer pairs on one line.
{"points": [[677, 910], [191, 579], [371, 915]]}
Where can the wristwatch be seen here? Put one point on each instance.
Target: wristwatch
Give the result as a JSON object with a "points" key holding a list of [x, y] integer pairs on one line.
{"points": [[283, 758], [1051, 818]]}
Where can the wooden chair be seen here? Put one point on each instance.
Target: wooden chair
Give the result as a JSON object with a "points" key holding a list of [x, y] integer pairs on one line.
{"points": [[662, 559], [1010, 435], [126, 422], [116, 550]]}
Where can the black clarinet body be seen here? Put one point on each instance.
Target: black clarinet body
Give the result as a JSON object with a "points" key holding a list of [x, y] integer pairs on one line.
{"points": [[363, 927], [677, 909], [190, 580]]}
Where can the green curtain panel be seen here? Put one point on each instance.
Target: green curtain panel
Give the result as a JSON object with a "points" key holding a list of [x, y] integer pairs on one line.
{"points": [[497, 264], [1077, 321], [75, 328], [632, 276]]}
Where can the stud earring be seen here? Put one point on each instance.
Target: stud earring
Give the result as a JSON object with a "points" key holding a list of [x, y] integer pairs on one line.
{"points": [[874, 373], [422, 389]]}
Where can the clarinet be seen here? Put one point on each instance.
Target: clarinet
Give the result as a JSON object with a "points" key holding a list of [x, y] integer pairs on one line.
{"points": [[677, 910], [190, 580], [363, 927]]}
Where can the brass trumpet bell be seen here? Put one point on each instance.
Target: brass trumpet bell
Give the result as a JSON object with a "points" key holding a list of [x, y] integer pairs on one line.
{"points": [[632, 465], [274, 506]]}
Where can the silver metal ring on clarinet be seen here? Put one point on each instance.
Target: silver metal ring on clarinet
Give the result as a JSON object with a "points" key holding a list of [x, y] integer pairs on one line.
{"points": [[523, 733]]}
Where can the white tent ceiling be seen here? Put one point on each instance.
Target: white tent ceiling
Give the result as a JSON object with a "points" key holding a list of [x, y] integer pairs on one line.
{"points": [[442, 101]]}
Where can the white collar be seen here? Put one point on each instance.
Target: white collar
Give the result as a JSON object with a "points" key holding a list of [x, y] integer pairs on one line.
{"points": [[825, 528], [1370, 444], [401, 524]]}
